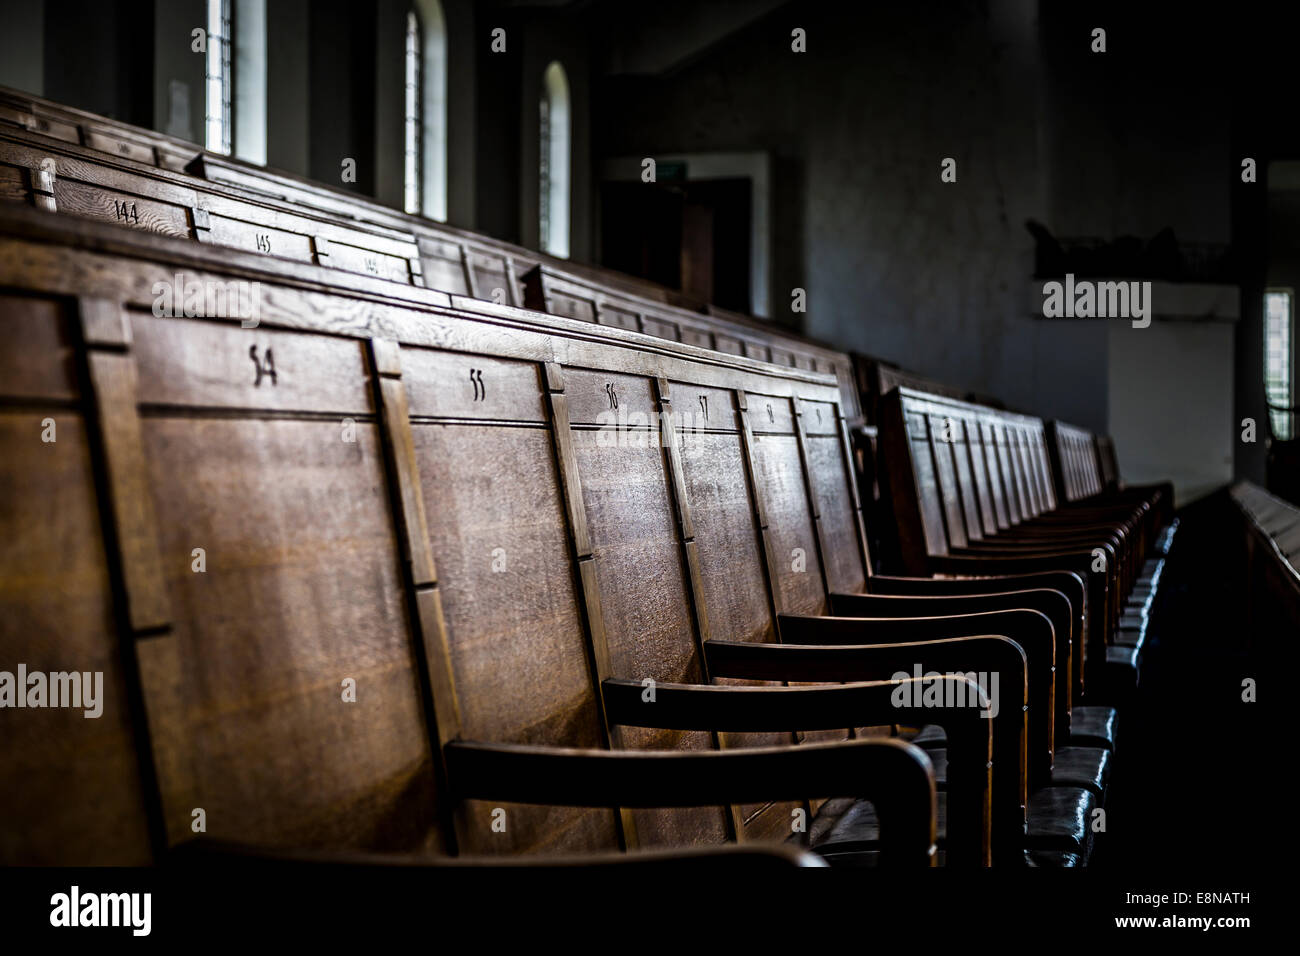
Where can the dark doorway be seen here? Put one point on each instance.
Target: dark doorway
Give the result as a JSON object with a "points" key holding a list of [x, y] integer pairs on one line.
{"points": [[689, 236]]}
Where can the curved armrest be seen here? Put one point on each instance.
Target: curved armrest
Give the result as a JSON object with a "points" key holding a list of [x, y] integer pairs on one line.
{"points": [[996, 655], [896, 777], [1080, 562], [1069, 583], [964, 712], [1054, 604], [1028, 628]]}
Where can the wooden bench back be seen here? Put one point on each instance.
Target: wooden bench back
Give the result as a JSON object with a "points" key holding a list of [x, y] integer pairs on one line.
{"points": [[231, 203], [1270, 565], [1076, 470], [494, 266], [960, 471], [561, 292], [877, 378], [96, 132], [1107, 462], [386, 490], [66, 178]]}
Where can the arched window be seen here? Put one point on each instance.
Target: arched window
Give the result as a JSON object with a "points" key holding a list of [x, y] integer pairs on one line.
{"points": [[217, 94], [425, 175], [554, 161]]}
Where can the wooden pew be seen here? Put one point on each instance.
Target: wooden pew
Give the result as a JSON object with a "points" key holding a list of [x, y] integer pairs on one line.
{"points": [[256, 206], [1270, 566], [968, 474], [559, 291], [1086, 474], [71, 179], [270, 220], [1022, 514], [824, 436], [807, 440], [837, 542], [25, 111], [989, 477], [309, 492], [458, 261], [502, 263]]}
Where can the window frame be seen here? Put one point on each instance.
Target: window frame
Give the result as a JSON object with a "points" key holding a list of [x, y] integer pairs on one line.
{"points": [[1280, 397], [218, 125]]}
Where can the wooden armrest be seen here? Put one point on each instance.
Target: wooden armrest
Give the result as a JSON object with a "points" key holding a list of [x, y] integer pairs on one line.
{"points": [[893, 584], [1028, 628], [1017, 544], [1098, 588], [958, 655], [737, 709], [1068, 583], [968, 722], [1052, 603], [895, 776]]}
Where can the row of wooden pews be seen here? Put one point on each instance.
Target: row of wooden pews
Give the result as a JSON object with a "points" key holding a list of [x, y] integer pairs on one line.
{"points": [[1270, 564], [394, 569], [437, 507], [60, 158]]}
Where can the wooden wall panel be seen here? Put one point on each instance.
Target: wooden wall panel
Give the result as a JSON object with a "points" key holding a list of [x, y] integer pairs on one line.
{"points": [[977, 465], [465, 385], [646, 602], [945, 471], [610, 397], [38, 356], [206, 364], [122, 208], [301, 590], [72, 783], [730, 555], [785, 498], [993, 468], [845, 572], [927, 485], [267, 240], [497, 527]]}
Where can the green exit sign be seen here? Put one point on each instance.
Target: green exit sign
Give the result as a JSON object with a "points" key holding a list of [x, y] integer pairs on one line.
{"points": [[670, 172]]}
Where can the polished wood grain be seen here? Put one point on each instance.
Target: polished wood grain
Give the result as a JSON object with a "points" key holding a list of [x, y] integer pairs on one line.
{"points": [[71, 781], [350, 509]]}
